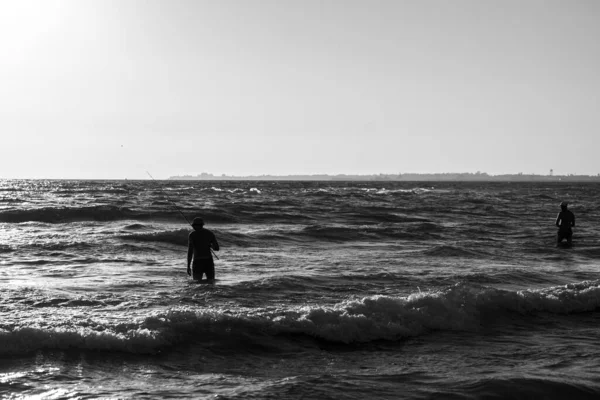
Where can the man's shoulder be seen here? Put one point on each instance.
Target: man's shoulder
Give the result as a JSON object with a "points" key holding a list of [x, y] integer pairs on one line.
{"points": [[203, 232]]}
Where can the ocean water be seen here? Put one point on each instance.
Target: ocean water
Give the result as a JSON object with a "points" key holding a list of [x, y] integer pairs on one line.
{"points": [[325, 290]]}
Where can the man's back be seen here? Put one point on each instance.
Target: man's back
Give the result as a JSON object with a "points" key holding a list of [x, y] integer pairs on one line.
{"points": [[201, 240], [567, 220]]}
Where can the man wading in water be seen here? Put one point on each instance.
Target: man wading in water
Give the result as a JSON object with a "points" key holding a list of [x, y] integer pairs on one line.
{"points": [[200, 243], [564, 221]]}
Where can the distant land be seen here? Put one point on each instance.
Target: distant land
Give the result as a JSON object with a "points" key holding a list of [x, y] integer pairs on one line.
{"points": [[440, 177]]}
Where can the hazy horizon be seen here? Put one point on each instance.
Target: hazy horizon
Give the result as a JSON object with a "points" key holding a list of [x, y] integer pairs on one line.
{"points": [[217, 176], [112, 89], [396, 173]]}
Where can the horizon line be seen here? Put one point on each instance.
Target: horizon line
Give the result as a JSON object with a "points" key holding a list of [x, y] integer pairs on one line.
{"points": [[383, 176], [478, 173]]}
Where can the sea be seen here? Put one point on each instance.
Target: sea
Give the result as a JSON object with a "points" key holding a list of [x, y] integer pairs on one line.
{"points": [[324, 290]]}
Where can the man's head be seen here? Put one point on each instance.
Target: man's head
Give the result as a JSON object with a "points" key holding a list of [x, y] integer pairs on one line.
{"points": [[564, 205], [197, 223]]}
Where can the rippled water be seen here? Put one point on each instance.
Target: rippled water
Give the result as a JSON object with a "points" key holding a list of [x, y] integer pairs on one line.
{"points": [[324, 290]]}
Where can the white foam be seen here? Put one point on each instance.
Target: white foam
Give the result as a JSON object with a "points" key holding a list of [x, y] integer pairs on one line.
{"points": [[457, 308]]}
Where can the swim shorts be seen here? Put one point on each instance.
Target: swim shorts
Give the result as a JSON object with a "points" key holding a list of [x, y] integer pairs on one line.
{"points": [[203, 266], [566, 234]]}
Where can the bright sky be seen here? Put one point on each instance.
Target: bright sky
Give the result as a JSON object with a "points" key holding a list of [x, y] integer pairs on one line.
{"points": [[115, 88]]}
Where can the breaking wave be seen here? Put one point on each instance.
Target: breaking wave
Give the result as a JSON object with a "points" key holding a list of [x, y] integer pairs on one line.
{"points": [[462, 307]]}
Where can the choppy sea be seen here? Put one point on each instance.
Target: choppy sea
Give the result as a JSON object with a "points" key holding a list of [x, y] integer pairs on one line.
{"points": [[325, 290]]}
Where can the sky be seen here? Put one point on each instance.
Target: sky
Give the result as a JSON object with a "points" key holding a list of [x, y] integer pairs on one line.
{"points": [[113, 89]]}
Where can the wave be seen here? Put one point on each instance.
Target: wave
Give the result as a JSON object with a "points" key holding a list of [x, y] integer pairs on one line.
{"points": [[592, 251], [366, 232], [527, 388], [308, 233], [451, 251], [177, 236], [102, 190], [66, 214], [106, 213], [135, 227], [414, 231], [180, 237], [462, 307], [280, 216], [11, 200], [384, 191]]}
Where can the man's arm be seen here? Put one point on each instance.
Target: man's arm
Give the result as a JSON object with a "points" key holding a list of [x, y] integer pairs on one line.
{"points": [[558, 220], [214, 244], [190, 254]]}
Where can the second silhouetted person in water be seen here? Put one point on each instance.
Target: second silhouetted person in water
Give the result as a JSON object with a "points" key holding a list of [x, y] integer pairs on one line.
{"points": [[565, 221]]}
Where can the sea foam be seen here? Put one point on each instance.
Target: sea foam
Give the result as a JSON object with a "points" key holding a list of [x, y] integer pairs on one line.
{"points": [[459, 308]]}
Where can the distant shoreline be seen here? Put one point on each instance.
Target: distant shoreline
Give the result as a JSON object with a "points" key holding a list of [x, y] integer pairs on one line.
{"points": [[442, 177]]}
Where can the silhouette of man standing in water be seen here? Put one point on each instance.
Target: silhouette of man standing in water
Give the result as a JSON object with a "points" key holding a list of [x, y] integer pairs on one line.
{"points": [[564, 221], [200, 243]]}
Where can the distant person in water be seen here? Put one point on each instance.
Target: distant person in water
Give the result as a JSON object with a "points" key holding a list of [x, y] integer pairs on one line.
{"points": [[200, 243], [565, 221]]}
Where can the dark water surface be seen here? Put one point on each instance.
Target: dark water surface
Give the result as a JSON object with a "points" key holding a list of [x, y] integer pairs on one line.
{"points": [[325, 290]]}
